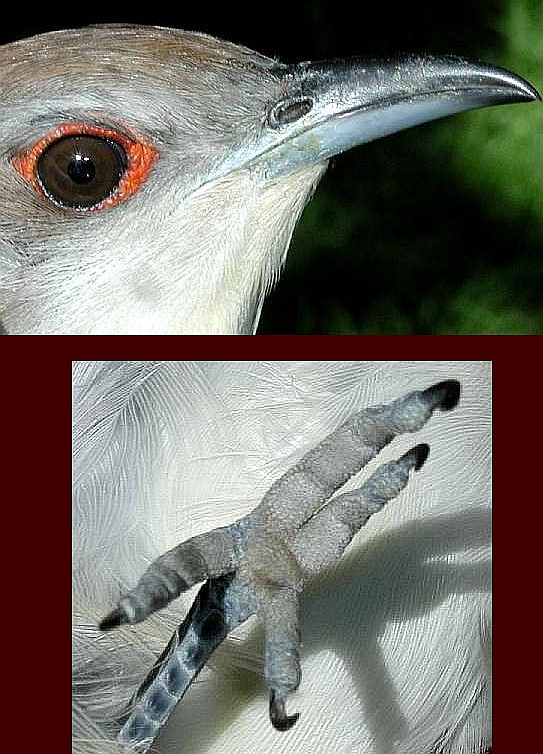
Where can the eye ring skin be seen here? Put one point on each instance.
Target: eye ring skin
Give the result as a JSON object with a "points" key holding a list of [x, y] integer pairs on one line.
{"points": [[140, 157]]}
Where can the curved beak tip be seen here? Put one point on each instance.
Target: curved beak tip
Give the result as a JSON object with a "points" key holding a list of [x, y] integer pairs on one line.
{"points": [[524, 90]]}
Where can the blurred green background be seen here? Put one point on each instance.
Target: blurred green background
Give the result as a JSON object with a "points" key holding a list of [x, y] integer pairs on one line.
{"points": [[438, 229]]}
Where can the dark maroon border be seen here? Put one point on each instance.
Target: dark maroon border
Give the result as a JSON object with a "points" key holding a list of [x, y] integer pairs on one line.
{"points": [[35, 373]]}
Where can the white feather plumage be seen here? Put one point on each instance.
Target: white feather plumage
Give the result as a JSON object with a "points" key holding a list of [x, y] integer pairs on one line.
{"points": [[396, 637]]}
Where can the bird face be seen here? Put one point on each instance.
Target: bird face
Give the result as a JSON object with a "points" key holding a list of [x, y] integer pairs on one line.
{"points": [[153, 257], [152, 178]]}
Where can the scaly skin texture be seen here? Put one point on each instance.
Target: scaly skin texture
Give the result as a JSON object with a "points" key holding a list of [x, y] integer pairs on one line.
{"points": [[259, 564]]}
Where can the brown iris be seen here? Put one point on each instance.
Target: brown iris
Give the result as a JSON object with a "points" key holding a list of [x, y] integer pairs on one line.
{"points": [[81, 171]]}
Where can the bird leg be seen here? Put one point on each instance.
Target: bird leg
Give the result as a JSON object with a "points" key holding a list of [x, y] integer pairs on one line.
{"points": [[323, 539], [282, 673], [197, 559], [207, 623], [259, 564]]}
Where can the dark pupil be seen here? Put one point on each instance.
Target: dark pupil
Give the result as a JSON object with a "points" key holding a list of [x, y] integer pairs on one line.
{"points": [[80, 171]]}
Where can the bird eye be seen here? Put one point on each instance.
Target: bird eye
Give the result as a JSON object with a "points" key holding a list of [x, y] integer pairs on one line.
{"points": [[85, 167], [81, 171]]}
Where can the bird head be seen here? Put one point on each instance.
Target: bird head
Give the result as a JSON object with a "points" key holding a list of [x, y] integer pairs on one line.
{"points": [[152, 178]]}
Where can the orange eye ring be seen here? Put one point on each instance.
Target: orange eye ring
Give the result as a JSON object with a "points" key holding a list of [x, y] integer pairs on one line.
{"points": [[139, 155]]}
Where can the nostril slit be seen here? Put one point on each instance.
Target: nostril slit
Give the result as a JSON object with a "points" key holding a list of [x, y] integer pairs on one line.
{"points": [[289, 110]]}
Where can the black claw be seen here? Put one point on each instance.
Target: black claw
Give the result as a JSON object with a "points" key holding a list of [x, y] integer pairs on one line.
{"points": [[418, 454], [114, 619], [446, 393], [286, 722], [279, 718], [421, 454]]}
